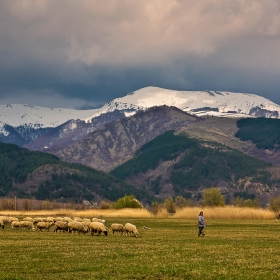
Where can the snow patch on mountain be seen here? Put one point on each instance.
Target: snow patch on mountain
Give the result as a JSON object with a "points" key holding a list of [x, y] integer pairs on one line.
{"points": [[38, 117], [200, 103]]}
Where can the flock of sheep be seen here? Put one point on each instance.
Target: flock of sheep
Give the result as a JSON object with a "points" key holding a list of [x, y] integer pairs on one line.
{"points": [[67, 224]]}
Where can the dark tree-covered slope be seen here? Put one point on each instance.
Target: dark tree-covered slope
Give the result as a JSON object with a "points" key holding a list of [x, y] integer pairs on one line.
{"points": [[263, 132], [43, 176]]}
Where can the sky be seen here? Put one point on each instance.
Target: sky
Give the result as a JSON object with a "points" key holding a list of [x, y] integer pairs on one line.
{"points": [[83, 54]]}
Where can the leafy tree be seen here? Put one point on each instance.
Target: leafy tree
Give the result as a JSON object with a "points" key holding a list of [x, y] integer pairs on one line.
{"points": [[212, 197], [274, 205], [128, 201], [170, 205], [155, 207], [249, 202], [181, 202]]}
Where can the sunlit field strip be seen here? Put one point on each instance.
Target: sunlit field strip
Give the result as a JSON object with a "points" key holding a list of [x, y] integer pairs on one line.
{"points": [[227, 212]]}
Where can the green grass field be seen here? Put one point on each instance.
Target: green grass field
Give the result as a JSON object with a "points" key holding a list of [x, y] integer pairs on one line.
{"points": [[231, 249]]}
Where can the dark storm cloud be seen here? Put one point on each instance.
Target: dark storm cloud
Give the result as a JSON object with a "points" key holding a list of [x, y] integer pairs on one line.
{"points": [[81, 54]]}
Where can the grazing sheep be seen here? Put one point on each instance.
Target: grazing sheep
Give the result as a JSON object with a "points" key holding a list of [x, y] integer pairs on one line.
{"points": [[98, 228], [26, 224], [37, 220], [46, 225], [130, 228], [5, 219], [2, 224], [67, 219], [28, 219], [56, 219], [48, 219], [59, 225], [77, 219], [86, 223], [77, 227], [98, 220], [13, 219], [118, 227], [144, 227], [15, 224]]}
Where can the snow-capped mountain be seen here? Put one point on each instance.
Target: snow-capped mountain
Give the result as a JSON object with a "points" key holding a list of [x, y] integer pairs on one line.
{"points": [[215, 103], [22, 124], [38, 117]]}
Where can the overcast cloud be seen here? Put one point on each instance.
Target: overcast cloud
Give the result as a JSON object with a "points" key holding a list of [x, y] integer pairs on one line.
{"points": [[82, 54]]}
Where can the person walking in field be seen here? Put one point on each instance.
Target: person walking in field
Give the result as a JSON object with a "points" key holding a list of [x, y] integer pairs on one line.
{"points": [[201, 224]]}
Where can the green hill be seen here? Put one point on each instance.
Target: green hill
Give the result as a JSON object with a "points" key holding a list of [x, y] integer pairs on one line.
{"points": [[43, 176], [191, 165]]}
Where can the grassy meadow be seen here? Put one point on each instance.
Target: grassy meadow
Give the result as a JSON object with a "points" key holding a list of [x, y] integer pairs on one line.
{"points": [[233, 248]]}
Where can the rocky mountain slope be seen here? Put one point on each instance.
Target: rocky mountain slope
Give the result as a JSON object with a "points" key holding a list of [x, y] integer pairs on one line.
{"points": [[70, 132], [115, 142]]}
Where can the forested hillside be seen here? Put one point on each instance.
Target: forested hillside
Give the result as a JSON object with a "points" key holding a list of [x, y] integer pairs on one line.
{"points": [[43, 176], [191, 165], [263, 132]]}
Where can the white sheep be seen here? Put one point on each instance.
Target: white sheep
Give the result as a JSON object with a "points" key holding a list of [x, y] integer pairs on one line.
{"points": [[56, 219], [144, 227], [15, 224], [13, 219], [86, 223], [2, 224], [67, 219], [97, 227], [77, 227], [48, 219], [98, 220], [46, 225], [28, 219], [37, 220], [5, 219], [117, 227], [59, 225], [131, 229], [26, 224]]}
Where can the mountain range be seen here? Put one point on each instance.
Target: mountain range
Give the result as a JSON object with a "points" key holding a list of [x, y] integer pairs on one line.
{"points": [[115, 136], [24, 124]]}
